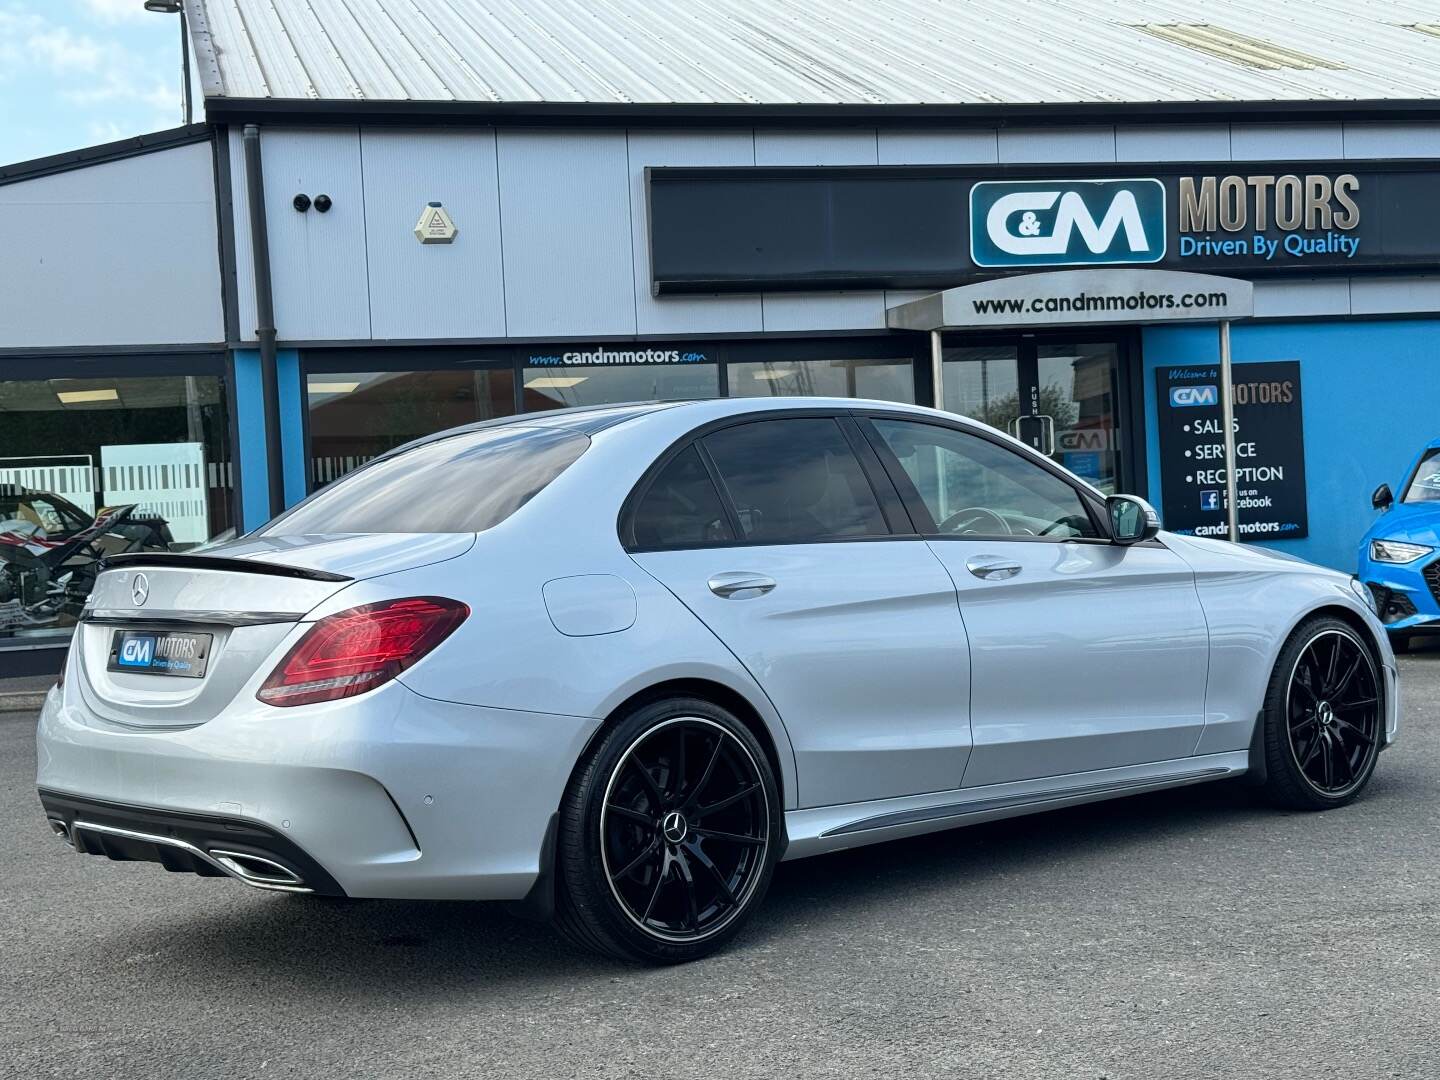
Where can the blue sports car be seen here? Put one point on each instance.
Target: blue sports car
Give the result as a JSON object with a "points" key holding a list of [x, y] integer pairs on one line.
{"points": [[1400, 555]]}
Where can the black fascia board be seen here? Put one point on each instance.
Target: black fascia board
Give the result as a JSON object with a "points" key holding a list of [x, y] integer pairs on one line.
{"points": [[640, 114], [111, 151]]}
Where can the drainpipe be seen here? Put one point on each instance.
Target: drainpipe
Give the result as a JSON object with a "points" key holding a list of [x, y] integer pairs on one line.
{"points": [[265, 315]]}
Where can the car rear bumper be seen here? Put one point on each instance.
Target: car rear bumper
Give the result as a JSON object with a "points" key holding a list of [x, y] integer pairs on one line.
{"points": [[389, 794], [208, 845]]}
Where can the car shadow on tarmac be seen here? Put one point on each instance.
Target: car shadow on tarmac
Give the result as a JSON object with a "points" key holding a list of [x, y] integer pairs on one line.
{"points": [[337, 947]]}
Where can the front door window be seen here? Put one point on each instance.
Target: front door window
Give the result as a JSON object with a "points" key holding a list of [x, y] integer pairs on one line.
{"points": [[1057, 397]]}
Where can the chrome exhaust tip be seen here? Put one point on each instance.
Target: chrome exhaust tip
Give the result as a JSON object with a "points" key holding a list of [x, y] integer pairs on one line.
{"points": [[257, 870], [60, 829]]}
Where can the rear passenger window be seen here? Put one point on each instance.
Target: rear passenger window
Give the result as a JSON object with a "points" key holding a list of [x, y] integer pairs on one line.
{"points": [[795, 480], [681, 507]]}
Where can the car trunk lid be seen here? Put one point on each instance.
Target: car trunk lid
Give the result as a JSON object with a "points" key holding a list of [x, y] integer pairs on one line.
{"points": [[169, 640]]}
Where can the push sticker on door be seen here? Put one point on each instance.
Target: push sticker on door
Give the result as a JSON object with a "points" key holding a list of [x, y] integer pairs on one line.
{"points": [[1067, 222]]}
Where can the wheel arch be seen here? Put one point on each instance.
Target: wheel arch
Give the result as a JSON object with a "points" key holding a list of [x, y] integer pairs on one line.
{"points": [[1353, 620], [1258, 771], [727, 697]]}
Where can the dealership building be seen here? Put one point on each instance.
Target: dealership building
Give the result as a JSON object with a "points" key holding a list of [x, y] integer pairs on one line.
{"points": [[402, 215]]}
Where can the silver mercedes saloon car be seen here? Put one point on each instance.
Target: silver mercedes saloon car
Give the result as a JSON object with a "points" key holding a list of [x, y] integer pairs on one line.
{"points": [[616, 663]]}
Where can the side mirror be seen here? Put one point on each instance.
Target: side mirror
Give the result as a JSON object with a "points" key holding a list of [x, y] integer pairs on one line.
{"points": [[1382, 498], [1132, 520]]}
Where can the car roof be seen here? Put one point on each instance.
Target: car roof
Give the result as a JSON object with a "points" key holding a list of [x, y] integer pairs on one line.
{"points": [[590, 420]]}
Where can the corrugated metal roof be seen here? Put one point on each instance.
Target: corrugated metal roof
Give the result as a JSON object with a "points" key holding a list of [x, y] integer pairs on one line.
{"points": [[809, 52]]}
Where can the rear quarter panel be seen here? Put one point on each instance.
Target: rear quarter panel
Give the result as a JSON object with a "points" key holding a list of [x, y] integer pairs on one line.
{"points": [[510, 654]]}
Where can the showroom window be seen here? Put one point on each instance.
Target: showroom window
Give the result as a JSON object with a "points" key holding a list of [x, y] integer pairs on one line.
{"points": [[359, 415], [560, 386], [97, 466], [884, 380]]}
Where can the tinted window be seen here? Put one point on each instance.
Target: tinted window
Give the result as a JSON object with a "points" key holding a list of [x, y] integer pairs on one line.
{"points": [[681, 506], [464, 483], [1425, 485], [973, 487], [795, 480]]}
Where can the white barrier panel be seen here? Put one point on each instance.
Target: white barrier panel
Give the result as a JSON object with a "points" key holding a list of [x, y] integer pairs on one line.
{"points": [[73, 481], [166, 479]]}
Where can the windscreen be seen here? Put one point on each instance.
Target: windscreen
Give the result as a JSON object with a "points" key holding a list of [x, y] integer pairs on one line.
{"points": [[1425, 485], [463, 483]]}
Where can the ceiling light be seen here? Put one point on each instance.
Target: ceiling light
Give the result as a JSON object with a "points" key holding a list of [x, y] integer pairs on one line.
{"points": [[80, 397], [333, 387], [554, 382], [775, 374]]}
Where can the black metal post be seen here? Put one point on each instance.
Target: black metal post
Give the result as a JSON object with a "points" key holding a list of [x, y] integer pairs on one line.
{"points": [[265, 316]]}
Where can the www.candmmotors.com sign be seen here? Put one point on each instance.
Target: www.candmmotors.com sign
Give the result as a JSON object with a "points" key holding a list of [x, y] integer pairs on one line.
{"points": [[1099, 295], [718, 229]]}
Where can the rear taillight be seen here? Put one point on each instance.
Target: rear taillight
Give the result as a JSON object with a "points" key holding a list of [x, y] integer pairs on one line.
{"points": [[357, 650]]}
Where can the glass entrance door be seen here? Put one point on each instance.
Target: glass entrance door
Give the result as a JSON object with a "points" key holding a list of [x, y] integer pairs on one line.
{"points": [[1059, 397]]}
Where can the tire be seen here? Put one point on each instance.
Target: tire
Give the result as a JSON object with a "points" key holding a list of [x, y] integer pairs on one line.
{"points": [[669, 833], [1324, 717]]}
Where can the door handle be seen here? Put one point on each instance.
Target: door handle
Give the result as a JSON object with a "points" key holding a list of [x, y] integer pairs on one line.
{"points": [[740, 584], [991, 567]]}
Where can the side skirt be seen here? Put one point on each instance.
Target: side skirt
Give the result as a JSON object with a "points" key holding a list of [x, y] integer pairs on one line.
{"points": [[834, 828]]}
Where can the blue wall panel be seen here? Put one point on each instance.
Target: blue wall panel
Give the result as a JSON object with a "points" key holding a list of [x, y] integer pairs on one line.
{"points": [[250, 425], [292, 424], [250, 428], [1371, 396]]}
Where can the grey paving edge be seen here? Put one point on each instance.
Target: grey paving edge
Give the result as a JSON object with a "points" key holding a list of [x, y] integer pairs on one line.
{"points": [[21, 702]]}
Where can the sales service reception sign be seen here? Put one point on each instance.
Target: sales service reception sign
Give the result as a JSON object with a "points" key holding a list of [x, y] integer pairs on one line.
{"points": [[1269, 450]]}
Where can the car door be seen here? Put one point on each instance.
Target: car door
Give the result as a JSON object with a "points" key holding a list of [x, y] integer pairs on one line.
{"points": [[1085, 654], [772, 532]]}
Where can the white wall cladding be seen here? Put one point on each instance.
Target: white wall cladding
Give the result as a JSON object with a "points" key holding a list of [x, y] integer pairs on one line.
{"points": [[317, 261], [565, 219], [1286, 142], [725, 313], [433, 290], [123, 253], [553, 236]]}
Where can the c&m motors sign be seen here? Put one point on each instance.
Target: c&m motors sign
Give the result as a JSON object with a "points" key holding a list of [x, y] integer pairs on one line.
{"points": [[1066, 222], [740, 228]]}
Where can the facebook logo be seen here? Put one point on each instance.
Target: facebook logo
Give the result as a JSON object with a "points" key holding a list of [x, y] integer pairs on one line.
{"points": [[1209, 500]]}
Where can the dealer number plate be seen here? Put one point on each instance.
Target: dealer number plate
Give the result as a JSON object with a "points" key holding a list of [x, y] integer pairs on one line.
{"points": [[155, 652]]}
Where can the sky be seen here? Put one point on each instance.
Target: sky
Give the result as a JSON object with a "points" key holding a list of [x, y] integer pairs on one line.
{"points": [[75, 73]]}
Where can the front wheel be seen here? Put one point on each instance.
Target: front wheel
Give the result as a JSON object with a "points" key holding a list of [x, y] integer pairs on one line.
{"points": [[668, 834], [1324, 717]]}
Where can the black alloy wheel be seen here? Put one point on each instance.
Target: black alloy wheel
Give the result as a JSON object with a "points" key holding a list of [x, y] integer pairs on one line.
{"points": [[685, 829], [1333, 712], [1328, 725], [669, 834]]}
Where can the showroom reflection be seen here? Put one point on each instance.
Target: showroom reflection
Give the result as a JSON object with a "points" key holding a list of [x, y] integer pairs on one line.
{"points": [[357, 415], [98, 466]]}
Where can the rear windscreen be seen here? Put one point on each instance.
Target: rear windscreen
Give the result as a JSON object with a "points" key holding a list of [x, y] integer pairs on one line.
{"points": [[463, 483]]}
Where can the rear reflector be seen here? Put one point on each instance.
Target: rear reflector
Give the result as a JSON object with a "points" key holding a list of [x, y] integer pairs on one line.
{"points": [[357, 650]]}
